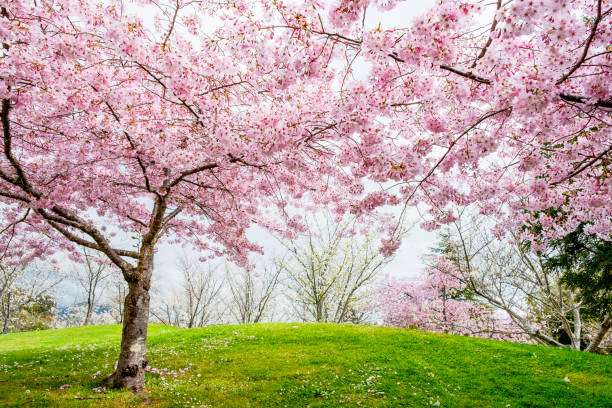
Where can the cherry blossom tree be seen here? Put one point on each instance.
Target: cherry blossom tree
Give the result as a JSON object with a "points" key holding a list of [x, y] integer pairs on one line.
{"points": [[439, 302], [188, 133], [113, 129]]}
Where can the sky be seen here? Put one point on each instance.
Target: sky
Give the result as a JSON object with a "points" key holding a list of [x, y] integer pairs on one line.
{"points": [[408, 258]]}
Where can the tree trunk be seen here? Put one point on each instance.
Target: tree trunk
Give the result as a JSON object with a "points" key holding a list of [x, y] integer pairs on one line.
{"points": [[129, 372], [119, 297], [7, 316], [87, 321], [577, 333], [605, 327]]}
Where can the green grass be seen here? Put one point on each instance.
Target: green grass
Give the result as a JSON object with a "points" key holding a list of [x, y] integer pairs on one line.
{"points": [[298, 365]]}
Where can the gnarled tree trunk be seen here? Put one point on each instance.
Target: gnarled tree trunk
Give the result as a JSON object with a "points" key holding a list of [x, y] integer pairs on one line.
{"points": [[129, 372]]}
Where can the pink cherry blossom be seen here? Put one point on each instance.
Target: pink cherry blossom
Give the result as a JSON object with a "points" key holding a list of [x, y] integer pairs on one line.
{"points": [[438, 302]]}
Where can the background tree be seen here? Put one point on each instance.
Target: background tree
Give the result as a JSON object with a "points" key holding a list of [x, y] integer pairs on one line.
{"points": [[330, 269], [9, 275], [253, 292], [33, 312], [117, 291], [28, 301], [585, 262], [200, 291], [92, 276], [516, 280], [439, 302], [195, 303], [167, 309]]}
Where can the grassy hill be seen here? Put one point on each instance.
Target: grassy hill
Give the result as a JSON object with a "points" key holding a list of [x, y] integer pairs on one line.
{"points": [[297, 365]]}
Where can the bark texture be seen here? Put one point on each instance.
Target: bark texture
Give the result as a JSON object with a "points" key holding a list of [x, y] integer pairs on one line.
{"points": [[605, 327], [7, 314], [129, 372]]}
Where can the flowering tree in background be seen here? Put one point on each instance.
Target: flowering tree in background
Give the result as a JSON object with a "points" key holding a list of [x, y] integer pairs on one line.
{"points": [[474, 278], [330, 270], [441, 303]]}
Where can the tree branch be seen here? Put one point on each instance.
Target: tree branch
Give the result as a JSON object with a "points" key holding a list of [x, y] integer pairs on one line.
{"points": [[586, 46], [88, 244], [605, 327], [4, 117], [581, 99], [586, 166], [66, 217], [176, 10], [468, 75], [602, 103], [132, 145], [186, 173], [490, 39]]}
